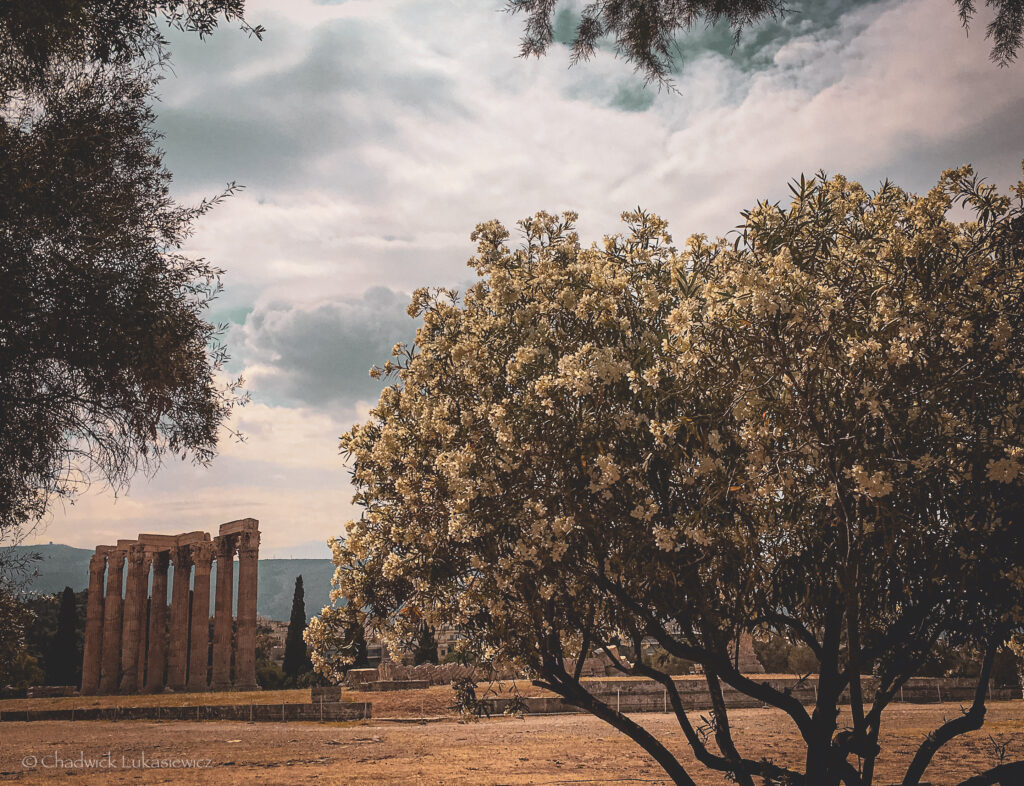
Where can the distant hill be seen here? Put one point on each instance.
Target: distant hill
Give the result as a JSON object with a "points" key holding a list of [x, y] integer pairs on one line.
{"points": [[64, 566]]}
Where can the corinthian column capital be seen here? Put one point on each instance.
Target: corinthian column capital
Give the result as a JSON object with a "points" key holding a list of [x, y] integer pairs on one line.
{"points": [[97, 564], [181, 558], [249, 545], [136, 554], [202, 555], [224, 547], [115, 561]]}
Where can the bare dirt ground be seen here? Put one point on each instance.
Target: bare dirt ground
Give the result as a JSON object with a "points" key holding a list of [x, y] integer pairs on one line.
{"points": [[557, 749]]}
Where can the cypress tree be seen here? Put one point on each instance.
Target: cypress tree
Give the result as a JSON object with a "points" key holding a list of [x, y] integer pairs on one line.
{"points": [[63, 661], [426, 646], [296, 658], [362, 659]]}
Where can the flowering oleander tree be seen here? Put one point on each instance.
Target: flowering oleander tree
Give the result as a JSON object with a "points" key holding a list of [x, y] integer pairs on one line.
{"points": [[813, 428]]}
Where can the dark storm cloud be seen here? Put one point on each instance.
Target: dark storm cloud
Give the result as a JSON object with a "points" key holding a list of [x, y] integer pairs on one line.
{"points": [[266, 121], [321, 354]]}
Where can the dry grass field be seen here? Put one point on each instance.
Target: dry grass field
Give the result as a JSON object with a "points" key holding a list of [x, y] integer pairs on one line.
{"points": [[158, 700], [433, 702], [558, 749]]}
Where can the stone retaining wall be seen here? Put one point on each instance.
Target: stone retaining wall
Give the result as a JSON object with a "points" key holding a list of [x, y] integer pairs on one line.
{"points": [[648, 696], [433, 673], [317, 711]]}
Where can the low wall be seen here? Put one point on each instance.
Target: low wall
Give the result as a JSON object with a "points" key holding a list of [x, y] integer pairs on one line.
{"points": [[631, 695], [48, 691], [388, 685], [434, 673], [317, 711]]}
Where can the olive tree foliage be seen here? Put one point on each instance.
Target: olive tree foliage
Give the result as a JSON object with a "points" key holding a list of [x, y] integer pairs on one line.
{"points": [[39, 38], [107, 360], [814, 429], [646, 32]]}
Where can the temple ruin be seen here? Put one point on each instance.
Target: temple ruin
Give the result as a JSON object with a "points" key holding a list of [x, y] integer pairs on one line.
{"points": [[129, 651]]}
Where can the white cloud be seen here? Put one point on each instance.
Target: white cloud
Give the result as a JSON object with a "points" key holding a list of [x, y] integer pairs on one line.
{"points": [[287, 473], [390, 163], [321, 353], [373, 136]]}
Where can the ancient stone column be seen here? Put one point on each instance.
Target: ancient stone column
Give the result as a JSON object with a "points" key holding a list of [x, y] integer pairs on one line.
{"points": [[222, 616], [112, 608], [202, 556], [245, 645], [158, 624], [93, 644], [134, 610], [177, 651], [147, 563]]}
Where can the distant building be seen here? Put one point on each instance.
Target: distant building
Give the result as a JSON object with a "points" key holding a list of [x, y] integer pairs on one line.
{"points": [[277, 633], [374, 652], [447, 636]]}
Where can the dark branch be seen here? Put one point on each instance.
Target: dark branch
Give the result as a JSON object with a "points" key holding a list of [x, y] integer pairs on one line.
{"points": [[971, 720], [1004, 775], [700, 750], [560, 682]]}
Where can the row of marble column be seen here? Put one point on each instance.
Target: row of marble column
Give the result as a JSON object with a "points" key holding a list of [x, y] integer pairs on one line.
{"points": [[121, 656]]}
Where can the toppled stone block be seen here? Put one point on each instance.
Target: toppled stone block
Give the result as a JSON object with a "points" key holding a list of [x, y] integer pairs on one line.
{"points": [[358, 679], [47, 691], [325, 693]]}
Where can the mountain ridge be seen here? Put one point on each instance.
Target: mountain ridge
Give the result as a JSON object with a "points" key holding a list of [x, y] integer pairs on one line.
{"points": [[66, 566]]}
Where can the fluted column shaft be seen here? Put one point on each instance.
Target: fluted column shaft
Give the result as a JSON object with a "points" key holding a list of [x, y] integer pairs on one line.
{"points": [[202, 554], [222, 619], [93, 645], [140, 668], [158, 625], [177, 650], [245, 649], [112, 609], [134, 608]]}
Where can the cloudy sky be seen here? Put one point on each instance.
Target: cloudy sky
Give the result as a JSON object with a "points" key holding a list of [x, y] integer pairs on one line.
{"points": [[371, 136]]}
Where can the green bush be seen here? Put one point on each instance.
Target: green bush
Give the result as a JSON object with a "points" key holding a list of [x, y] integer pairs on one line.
{"points": [[670, 664], [802, 660], [270, 675], [310, 679], [773, 653]]}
